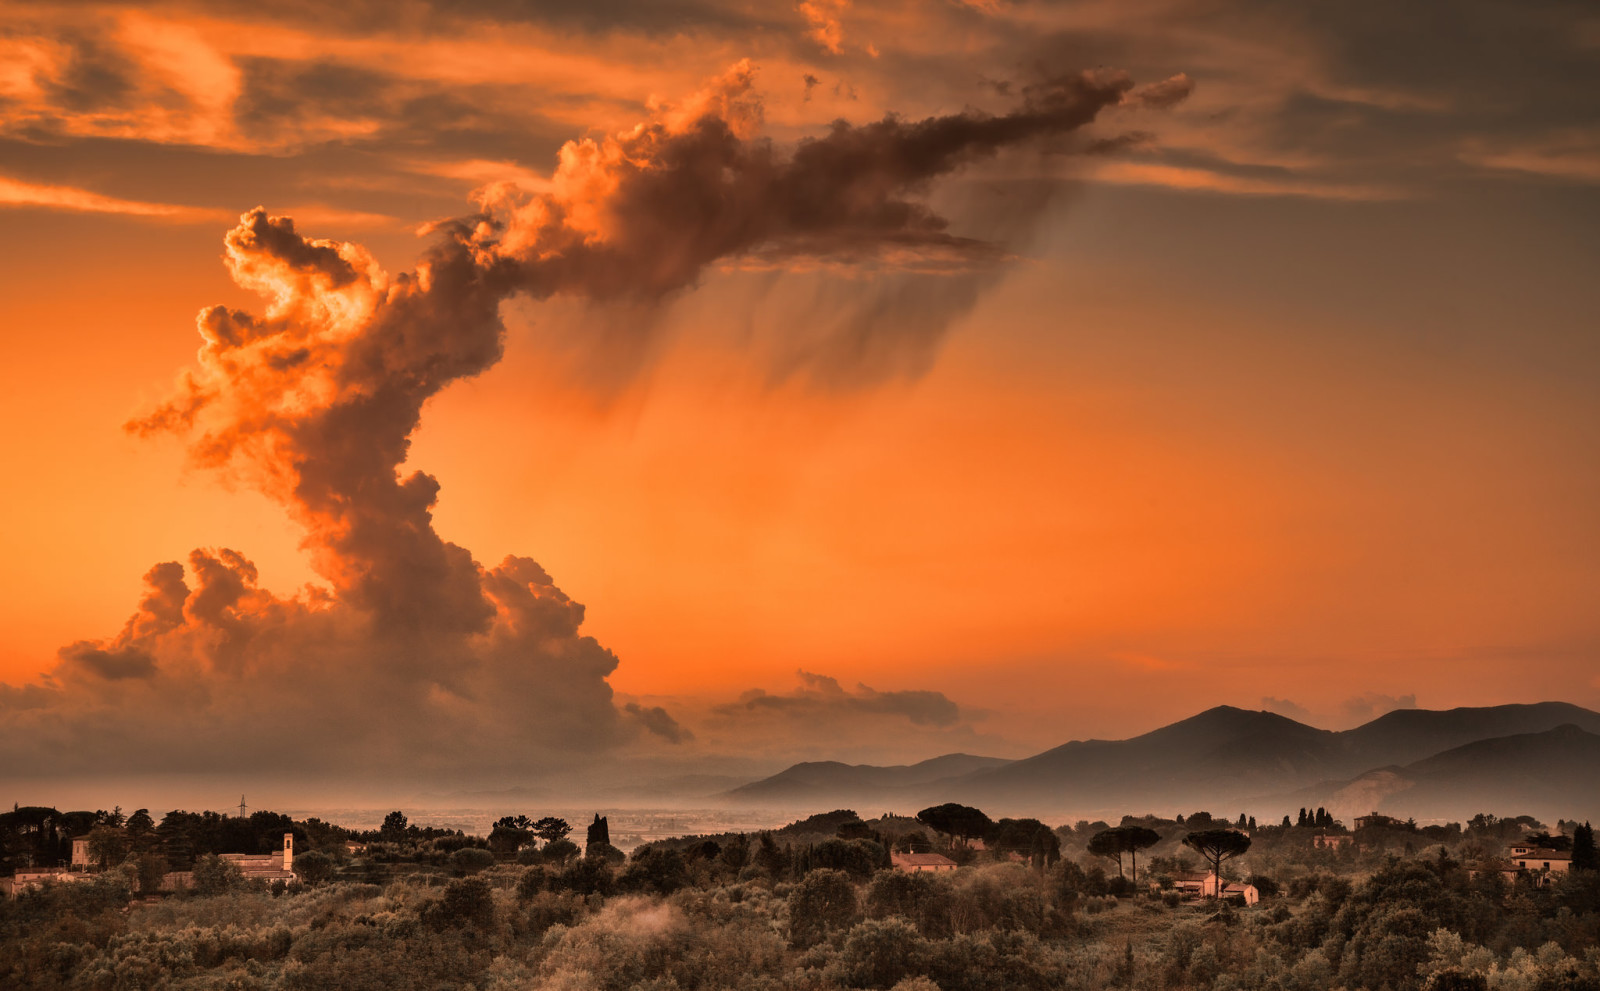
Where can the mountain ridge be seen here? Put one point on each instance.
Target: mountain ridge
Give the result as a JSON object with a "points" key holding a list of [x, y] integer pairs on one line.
{"points": [[1221, 757]]}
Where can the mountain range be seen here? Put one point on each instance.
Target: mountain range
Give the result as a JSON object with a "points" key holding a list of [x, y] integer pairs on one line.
{"points": [[1540, 759]]}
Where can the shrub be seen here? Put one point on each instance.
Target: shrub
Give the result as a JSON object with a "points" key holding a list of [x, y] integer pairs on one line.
{"points": [[471, 860]]}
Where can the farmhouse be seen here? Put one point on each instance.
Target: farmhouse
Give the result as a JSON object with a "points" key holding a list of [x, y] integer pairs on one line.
{"points": [[268, 867], [1374, 819], [917, 862], [1192, 884], [1537, 859], [35, 877]]}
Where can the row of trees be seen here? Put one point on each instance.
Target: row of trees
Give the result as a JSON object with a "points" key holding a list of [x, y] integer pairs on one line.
{"points": [[1041, 845]]}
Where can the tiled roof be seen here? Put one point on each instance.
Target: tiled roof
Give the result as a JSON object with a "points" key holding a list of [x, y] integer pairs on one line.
{"points": [[923, 860]]}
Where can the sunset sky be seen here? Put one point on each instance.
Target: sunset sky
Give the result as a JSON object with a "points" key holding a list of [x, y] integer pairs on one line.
{"points": [[883, 379]]}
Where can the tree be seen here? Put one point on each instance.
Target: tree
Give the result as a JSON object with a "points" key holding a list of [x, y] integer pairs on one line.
{"points": [[1546, 841], [467, 903], [960, 821], [560, 851], [313, 866], [823, 900], [140, 827], [510, 834], [586, 876], [394, 825], [736, 853], [108, 846], [1217, 845], [654, 871], [1029, 837], [149, 869], [215, 876], [1584, 856], [1123, 839], [471, 860], [551, 829], [1136, 838], [913, 842], [1106, 844]]}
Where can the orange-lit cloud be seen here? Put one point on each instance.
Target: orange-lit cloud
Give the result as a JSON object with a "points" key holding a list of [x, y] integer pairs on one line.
{"points": [[1210, 181], [313, 401], [823, 16], [14, 193]]}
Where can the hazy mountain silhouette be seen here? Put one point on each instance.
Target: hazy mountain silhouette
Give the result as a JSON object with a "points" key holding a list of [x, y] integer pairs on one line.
{"points": [[1405, 736], [1549, 774], [1228, 759], [830, 781]]}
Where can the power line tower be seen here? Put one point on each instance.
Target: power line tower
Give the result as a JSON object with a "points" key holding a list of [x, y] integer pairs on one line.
{"points": [[242, 807]]}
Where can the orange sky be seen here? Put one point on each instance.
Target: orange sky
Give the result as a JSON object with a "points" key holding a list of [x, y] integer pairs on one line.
{"points": [[1288, 402]]}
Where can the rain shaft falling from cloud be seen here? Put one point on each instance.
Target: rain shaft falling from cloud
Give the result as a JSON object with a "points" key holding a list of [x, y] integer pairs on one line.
{"points": [[414, 654]]}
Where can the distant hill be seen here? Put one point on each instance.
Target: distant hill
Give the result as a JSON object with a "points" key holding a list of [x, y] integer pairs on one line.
{"points": [[824, 782], [1405, 736], [1548, 774], [1224, 760], [1174, 767]]}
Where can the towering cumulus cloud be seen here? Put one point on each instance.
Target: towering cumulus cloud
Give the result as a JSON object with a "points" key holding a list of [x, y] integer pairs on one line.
{"points": [[414, 655]]}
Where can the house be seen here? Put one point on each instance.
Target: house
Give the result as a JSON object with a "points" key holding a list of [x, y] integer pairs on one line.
{"points": [[1194, 884], [1537, 859], [1507, 869], [177, 881], [1374, 819], [35, 877], [80, 853], [266, 867], [918, 862], [1247, 892], [1331, 841]]}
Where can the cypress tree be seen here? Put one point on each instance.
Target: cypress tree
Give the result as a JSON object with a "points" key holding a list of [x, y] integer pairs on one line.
{"points": [[1584, 857]]}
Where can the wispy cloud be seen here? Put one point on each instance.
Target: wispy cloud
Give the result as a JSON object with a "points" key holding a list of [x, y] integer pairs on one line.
{"points": [[1572, 155], [25, 194], [1196, 180]]}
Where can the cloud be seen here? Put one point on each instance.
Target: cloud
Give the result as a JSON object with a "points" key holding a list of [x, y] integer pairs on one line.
{"points": [[1163, 95], [821, 718], [1369, 706], [658, 721], [16, 193], [1191, 179], [1572, 155], [825, 28], [820, 696], [412, 654], [1284, 707], [1349, 713]]}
